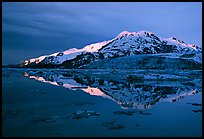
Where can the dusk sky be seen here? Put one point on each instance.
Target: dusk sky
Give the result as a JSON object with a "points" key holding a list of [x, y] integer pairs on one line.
{"points": [[32, 29]]}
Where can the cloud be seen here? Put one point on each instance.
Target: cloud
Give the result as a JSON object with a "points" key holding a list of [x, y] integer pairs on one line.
{"points": [[75, 24], [89, 17]]}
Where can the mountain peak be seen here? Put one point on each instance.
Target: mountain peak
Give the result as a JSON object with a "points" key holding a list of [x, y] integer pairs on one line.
{"points": [[125, 44], [144, 32], [123, 33], [139, 33]]}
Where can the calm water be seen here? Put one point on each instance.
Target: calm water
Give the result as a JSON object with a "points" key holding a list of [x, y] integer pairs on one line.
{"points": [[50, 102]]}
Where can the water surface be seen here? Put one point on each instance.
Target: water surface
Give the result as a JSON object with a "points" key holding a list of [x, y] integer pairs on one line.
{"points": [[48, 102]]}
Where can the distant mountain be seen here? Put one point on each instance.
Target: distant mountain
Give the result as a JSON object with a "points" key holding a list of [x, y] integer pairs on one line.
{"points": [[125, 44], [59, 57]]}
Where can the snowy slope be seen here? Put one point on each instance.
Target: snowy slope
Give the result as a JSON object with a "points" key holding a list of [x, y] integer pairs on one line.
{"points": [[145, 42], [125, 44], [59, 57]]}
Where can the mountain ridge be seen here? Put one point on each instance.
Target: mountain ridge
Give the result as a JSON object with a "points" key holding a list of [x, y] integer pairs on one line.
{"points": [[124, 44]]}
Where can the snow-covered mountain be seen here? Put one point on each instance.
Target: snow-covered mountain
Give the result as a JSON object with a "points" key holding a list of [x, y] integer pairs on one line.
{"points": [[145, 42], [125, 44], [59, 57]]}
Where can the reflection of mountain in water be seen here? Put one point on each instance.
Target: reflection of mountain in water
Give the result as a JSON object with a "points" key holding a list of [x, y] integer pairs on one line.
{"points": [[127, 94]]}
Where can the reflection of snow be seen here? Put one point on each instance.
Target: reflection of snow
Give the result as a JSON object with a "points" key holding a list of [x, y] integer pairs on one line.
{"points": [[173, 98], [26, 74], [68, 86], [43, 80], [94, 91], [126, 94]]}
